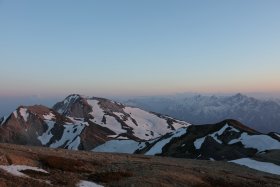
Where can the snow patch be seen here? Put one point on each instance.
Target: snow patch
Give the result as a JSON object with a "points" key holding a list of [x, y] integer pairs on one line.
{"points": [[257, 165], [147, 123], [259, 142], [97, 111], [23, 112], [4, 120], [120, 146], [157, 148], [15, 114], [16, 169], [70, 137], [113, 124], [67, 102], [198, 143], [99, 114], [49, 116], [46, 136], [84, 183], [75, 144]]}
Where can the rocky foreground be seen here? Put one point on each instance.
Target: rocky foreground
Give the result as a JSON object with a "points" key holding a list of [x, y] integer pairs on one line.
{"points": [[38, 166]]}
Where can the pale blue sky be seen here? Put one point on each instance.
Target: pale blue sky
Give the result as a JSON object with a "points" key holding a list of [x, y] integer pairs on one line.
{"points": [[131, 47]]}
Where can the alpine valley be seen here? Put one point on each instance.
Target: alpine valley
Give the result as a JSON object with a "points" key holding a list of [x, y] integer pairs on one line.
{"points": [[102, 125]]}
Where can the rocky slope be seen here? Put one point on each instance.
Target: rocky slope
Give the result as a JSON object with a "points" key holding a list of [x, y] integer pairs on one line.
{"points": [[37, 166]]}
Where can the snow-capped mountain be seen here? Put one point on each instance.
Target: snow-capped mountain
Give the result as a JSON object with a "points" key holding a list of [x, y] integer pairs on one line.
{"points": [[84, 123], [226, 140], [102, 125], [123, 122], [223, 141], [39, 125], [262, 115]]}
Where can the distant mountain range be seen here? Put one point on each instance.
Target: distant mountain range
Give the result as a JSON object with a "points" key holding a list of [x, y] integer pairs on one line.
{"points": [[102, 125], [262, 115]]}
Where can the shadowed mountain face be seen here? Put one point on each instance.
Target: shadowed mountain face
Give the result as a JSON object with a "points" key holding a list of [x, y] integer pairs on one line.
{"points": [[261, 115]]}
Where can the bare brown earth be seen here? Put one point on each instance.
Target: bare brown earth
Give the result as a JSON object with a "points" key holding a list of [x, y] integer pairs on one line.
{"points": [[67, 168]]}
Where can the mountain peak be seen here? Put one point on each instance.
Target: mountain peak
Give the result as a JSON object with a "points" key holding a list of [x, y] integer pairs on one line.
{"points": [[73, 105], [239, 125]]}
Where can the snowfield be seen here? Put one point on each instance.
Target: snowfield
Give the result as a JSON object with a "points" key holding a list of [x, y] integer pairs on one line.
{"points": [[144, 125], [148, 125], [120, 146], [84, 183], [70, 137], [16, 169], [257, 165], [198, 143], [99, 114], [46, 136], [23, 112], [49, 116], [259, 142], [157, 148]]}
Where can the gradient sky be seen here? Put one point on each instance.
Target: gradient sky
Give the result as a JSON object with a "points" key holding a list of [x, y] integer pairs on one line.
{"points": [[129, 47]]}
